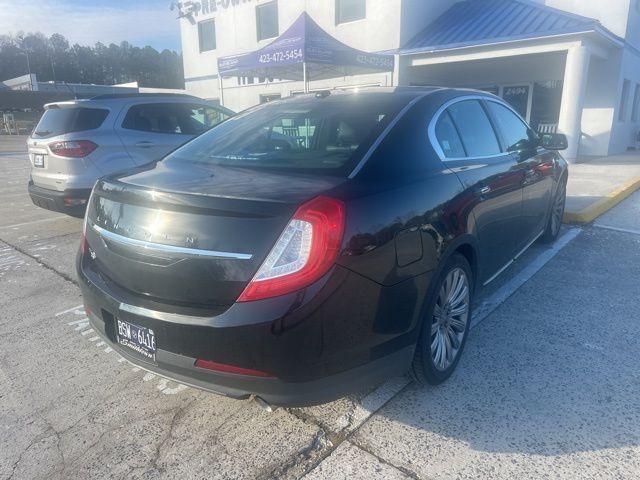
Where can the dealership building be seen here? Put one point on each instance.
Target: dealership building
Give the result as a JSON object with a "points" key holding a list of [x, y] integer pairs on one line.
{"points": [[571, 66]]}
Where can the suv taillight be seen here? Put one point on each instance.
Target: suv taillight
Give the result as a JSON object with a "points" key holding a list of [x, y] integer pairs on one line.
{"points": [[306, 249], [72, 148]]}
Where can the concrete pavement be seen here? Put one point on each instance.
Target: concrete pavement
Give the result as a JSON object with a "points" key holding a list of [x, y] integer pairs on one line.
{"points": [[548, 386]]}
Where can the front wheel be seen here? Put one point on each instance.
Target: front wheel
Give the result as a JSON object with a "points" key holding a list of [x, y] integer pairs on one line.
{"points": [[555, 216], [445, 323]]}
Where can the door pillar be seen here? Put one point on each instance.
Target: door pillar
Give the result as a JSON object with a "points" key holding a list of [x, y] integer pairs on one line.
{"points": [[574, 88]]}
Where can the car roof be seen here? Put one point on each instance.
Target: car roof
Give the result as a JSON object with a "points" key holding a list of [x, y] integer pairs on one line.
{"points": [[407, 93], [119, 99]]}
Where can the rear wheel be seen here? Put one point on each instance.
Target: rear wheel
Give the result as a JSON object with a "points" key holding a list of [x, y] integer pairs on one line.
{"points": [[555, 217], [445, 323]]}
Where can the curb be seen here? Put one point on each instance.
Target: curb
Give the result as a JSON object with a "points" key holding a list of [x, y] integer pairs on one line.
{"points": [[593, 211]]}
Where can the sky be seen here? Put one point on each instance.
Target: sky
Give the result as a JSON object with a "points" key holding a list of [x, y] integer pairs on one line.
{"points": [[140, 22]]}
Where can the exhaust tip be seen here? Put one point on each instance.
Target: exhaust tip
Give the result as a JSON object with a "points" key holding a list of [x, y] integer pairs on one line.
{"points": [[264, 405]]}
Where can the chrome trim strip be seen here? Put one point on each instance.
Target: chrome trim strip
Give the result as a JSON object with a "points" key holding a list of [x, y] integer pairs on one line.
{"points": [[164, 316], [529, 244], [432, 126], [497, 273], [159, 247], [514, 258], [386, 131]]}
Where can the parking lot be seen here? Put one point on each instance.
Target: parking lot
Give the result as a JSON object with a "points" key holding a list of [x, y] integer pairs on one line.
{"points": [[548, 386]]}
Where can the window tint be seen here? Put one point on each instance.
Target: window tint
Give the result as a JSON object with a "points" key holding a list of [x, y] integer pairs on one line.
{"points": [[475, 129], [350, 10], [207, 35], [448, 137], [514, 131], [172, 118], [267, 20], [326, 136], [57, 121]]}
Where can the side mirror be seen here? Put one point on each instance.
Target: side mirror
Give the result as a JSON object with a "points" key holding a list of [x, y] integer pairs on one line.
{"points": [[554, 141]]}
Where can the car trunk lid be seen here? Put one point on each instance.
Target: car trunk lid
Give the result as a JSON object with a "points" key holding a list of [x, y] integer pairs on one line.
{"points": [[200, 238]]}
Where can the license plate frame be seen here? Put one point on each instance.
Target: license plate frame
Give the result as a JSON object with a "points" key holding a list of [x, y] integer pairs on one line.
{"points": [[38, 160], [141, 340]]}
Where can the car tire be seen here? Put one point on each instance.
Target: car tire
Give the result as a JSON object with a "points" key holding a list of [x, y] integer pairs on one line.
{"points": [[442, 327], [554, 223]]}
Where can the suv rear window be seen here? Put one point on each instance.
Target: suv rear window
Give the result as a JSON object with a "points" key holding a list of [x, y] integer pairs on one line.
{"points": [[172, 118], [58, 121], [308, 135]]}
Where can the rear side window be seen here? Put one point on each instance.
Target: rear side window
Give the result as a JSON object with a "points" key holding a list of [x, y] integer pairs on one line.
{"points": [[448, 137], [475, 129], [58, 121], [515, 132], [172, 118]]}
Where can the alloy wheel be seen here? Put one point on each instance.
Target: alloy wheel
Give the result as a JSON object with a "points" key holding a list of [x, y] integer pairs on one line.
{"points": [[558, 211], [450, 317]]}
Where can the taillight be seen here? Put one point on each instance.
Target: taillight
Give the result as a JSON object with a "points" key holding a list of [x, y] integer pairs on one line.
{"points": [[72, 148], [305, 251]]}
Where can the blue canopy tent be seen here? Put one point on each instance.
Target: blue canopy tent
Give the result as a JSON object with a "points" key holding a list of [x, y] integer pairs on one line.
{"points": [[303, 52]]}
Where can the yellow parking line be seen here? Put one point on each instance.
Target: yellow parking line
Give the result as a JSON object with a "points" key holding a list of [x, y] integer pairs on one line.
{"points": [[593, 211]]}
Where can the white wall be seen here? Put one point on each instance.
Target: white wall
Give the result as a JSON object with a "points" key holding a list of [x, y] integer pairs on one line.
{"points": [[599, 104], [624, 132]]}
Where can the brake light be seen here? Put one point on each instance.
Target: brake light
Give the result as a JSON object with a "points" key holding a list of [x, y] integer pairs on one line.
{"points": [[306, 249], [224, 368], [72, 148]]}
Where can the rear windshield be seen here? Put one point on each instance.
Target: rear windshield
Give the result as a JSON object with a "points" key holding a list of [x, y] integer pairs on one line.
{"points": [[322, 135], [58, 121]]}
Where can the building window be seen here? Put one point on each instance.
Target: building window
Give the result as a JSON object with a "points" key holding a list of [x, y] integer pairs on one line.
{"points": [[350, 10], [267, 20], [636, 104], [207, 35], [624, 99], [518, 98]]}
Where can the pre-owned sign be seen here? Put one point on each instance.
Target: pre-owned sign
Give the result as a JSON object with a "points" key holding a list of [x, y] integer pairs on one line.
{"points": [[193, 7]]}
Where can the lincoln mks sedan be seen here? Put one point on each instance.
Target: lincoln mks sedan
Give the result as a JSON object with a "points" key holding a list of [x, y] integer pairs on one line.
{"points": [[313, 246]]}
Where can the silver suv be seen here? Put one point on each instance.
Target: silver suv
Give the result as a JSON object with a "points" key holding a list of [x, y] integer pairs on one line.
{"points": [[79, 141]]}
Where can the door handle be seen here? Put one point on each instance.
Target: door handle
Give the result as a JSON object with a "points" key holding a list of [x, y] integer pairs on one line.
{"points": [[480, 192], [145, 144]]}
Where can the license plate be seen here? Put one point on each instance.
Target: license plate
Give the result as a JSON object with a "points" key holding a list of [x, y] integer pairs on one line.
{"points": [[139, 339], [38, 161]]}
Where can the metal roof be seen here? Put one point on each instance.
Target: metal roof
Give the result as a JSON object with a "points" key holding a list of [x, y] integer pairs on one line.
{"points": [[479, 22]]}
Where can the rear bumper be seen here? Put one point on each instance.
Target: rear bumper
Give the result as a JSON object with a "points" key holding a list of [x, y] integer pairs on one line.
{"points": [[316, 354], [72, 202]]}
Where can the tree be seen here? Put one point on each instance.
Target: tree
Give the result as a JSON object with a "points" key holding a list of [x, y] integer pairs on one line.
{"points": [[54, 59]]}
